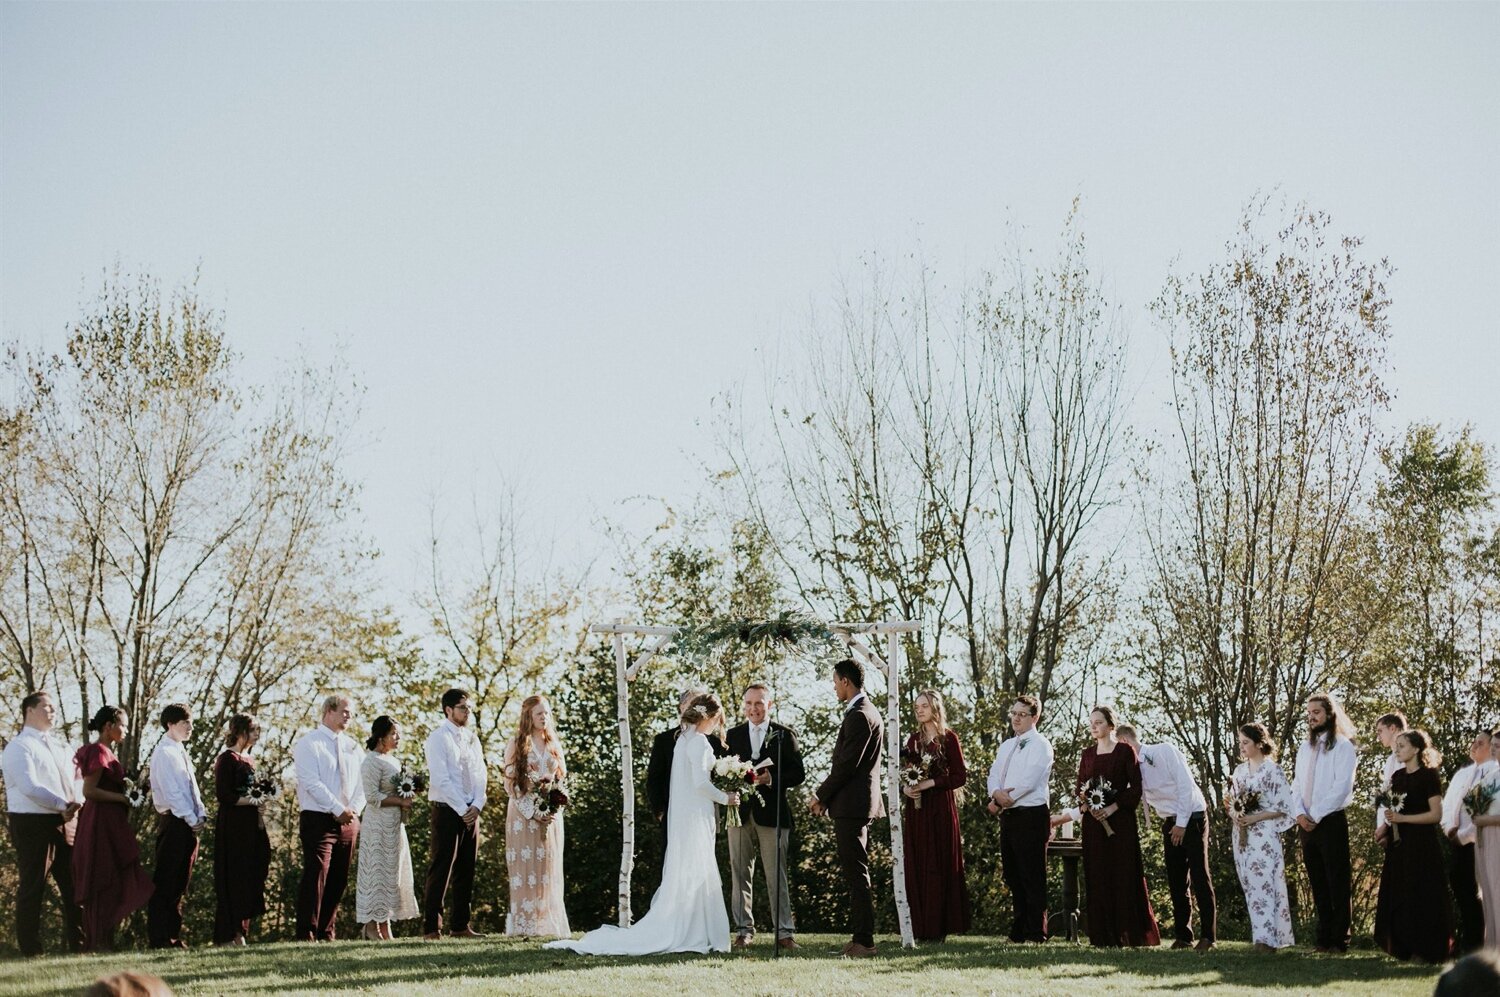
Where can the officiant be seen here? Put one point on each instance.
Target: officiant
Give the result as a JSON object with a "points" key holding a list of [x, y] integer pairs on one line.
{"points": [[766, 825]]}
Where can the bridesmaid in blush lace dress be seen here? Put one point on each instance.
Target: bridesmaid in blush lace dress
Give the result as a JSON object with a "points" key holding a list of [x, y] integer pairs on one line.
{"points": [[1119, 911], [534, 841], [108, 880]]}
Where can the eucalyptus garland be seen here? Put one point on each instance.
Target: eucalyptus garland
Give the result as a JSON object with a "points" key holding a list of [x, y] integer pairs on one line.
{"points": [[788, 632]]}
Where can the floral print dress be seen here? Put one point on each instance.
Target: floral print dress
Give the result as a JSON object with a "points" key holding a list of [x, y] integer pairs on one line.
{"points": [[1260, 860], [533, 858]]}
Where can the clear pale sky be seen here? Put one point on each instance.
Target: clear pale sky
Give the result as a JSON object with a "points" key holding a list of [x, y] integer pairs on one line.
{"points": [[548, 235]]}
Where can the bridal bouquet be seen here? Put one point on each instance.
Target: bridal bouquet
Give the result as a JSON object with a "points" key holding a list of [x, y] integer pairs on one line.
{"points": [[918, 765], [1241, 802], [1098, 793], [732, 774], [137, 793], [1479, 800], [548, 796], [1392, 801], [261, 791]]}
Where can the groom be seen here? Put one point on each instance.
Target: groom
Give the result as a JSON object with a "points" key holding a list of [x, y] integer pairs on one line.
{"points": [[851, 796]]}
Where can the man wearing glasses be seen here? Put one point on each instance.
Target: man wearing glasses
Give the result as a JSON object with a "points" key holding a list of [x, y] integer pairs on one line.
{"points": [[1019, 795]]}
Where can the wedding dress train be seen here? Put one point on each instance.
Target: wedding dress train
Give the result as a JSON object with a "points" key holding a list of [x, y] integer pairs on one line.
{"points": [[687, 913]]}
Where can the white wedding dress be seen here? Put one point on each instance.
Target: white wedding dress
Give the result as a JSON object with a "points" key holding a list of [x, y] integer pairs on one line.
{"points": [[687, 913]]}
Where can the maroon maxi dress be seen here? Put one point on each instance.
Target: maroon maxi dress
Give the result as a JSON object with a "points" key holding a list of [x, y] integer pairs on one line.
{"points": [[242, 850], [935, 885], [108, 880], [1414, 910], [1118, 909]]}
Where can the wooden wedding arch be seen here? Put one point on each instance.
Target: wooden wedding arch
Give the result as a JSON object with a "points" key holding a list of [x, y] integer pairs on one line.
{"points": [[854, 637]]}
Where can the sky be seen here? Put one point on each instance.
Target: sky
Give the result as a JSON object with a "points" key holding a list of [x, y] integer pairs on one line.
{"points": [[545, 237]]}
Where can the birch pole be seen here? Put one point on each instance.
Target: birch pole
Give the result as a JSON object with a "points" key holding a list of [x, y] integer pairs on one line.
{"points": [[893, 784], [627, 776]]}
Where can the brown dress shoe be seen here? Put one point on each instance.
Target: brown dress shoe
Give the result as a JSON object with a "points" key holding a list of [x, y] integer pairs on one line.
{"points": [[740, 941], [1180, 944], [789, 943], [433, 936], [466, 933], [858, 951], [1204, 945]]}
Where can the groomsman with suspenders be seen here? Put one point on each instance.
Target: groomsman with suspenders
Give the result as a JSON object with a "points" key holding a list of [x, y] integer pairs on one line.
{"points": [[1019, 795], [1322, 787], [1461, 832], [1168, 786]]}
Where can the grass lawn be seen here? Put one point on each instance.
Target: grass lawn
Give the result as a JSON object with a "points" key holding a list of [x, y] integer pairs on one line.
{"points": [[498, 965]]}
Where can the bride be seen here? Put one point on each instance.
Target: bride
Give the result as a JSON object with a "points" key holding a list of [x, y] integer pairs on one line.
{"points": [[687, 913]]}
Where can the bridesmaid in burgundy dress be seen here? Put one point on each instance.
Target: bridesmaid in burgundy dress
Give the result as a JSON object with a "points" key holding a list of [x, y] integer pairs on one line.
{"points": [[1414, 910], [1119, 911], [242, 849], [935, 885], [108, 880]]}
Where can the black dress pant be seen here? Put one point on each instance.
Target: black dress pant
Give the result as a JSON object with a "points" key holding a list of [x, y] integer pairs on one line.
{"points": [[1325, 852], [42, 850], [1187, 867], [852, 836], [1470, 934], [455, 850], [176, 851], [1023, 860], [327, 847]]}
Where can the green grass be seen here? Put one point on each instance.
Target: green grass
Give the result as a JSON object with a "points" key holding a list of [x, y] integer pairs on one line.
{"points": [[968, 965]]}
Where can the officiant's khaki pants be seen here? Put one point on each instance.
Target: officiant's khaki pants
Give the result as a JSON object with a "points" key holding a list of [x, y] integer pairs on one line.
{"points": [[744, 844]]}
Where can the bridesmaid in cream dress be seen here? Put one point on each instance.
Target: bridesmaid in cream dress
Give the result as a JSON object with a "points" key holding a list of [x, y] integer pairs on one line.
{"points": [[533, 841], [385, 889], [1487, 860]]}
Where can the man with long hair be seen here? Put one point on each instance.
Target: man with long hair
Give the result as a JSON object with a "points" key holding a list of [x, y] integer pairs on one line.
{"points": [[1322, 787]]}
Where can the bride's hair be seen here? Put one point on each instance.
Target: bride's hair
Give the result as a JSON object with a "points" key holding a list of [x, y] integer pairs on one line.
{"points": [[702, 708]]}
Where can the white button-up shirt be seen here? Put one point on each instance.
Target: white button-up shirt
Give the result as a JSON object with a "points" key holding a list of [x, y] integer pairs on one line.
{"points": [[1022, 767], [174, 788], [1167, 784], [1455, 817], [327, 766], [40, 777], [1387, 769], [1324, 781], [457, 776]]}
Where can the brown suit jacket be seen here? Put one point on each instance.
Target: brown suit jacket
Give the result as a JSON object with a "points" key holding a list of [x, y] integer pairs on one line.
{"points": [[852, 789]]}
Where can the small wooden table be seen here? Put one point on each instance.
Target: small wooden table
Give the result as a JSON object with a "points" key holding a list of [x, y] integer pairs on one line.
{"points": [[1070, 850]]}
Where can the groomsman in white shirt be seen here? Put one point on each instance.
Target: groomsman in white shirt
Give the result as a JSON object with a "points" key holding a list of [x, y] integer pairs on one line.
{"points": [[457, 783], [180, 816], [1168, 786], [331, 796], [1461, 832], [1387, 729], [1019, 794], [1321, 788], [42, 797]]}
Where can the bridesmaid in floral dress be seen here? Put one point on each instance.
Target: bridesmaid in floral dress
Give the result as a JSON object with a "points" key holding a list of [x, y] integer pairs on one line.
{"points": [[108, 881], [534, 841], [1256, 838]]}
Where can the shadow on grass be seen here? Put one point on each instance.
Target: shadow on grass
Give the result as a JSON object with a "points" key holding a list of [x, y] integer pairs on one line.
{"points": [[347, 966]]}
